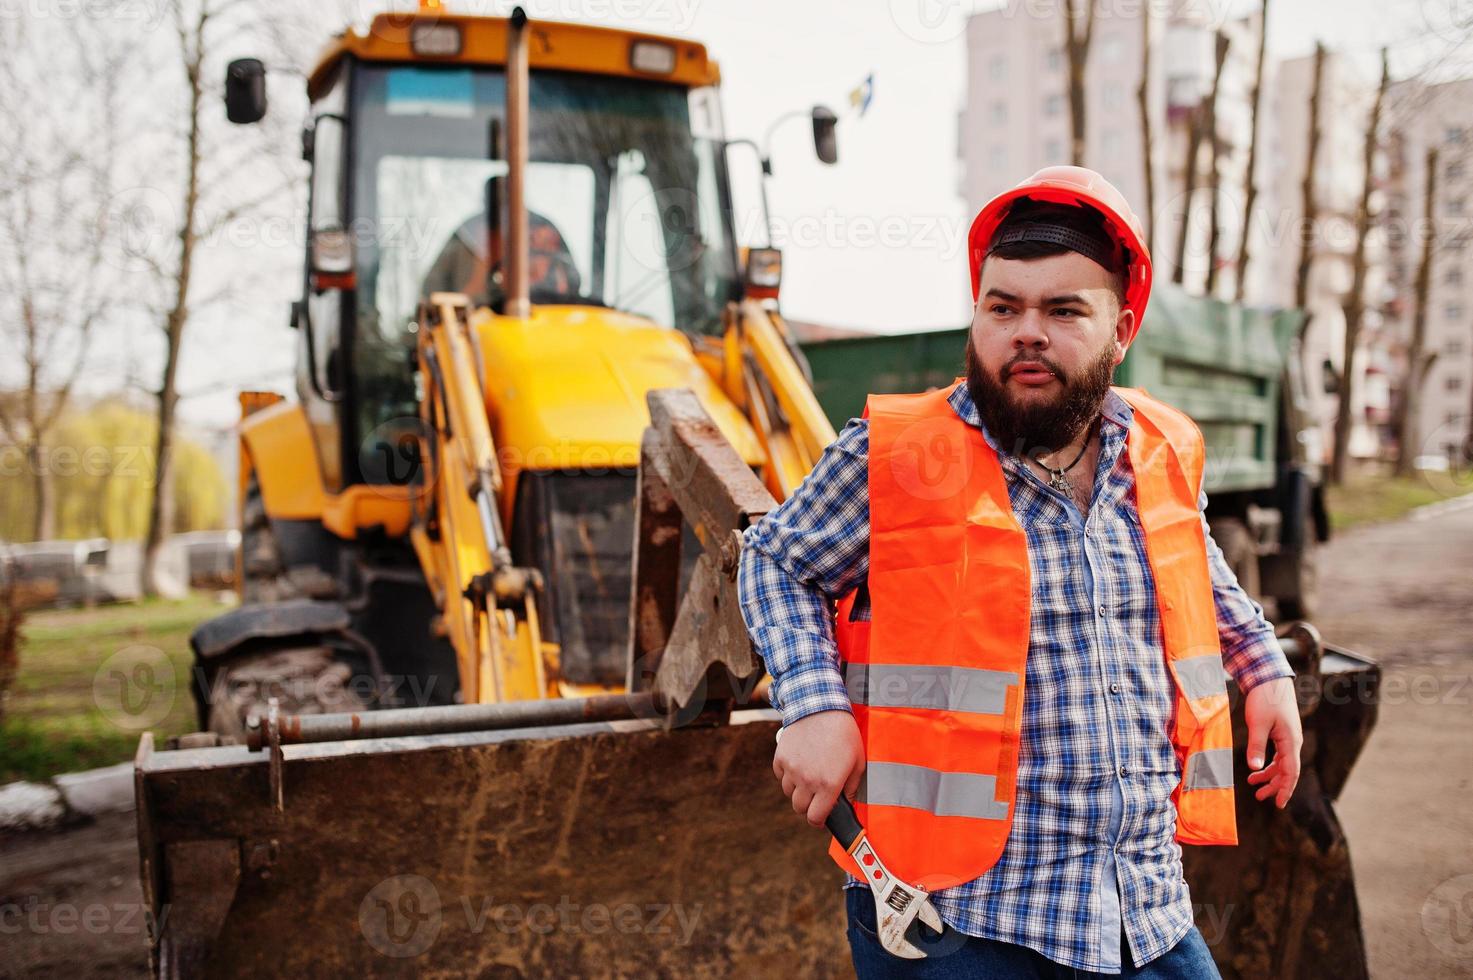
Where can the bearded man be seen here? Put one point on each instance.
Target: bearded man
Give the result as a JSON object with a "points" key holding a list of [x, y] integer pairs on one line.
{"points": [[1022, 686]]}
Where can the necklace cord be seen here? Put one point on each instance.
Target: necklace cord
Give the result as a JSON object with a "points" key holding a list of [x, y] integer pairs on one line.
{"points": [[1060, 472]]}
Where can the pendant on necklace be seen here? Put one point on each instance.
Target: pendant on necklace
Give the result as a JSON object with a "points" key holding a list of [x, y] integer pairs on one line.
{"points": [[1058, 481]]}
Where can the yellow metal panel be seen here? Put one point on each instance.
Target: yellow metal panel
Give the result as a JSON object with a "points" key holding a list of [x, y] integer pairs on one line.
{"points": [[565, 389], [366, 505], [812, 431], [555, 46], [282, 453]]}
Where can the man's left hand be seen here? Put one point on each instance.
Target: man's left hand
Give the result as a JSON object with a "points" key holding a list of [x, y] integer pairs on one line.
{"points": [[1272, 712]]}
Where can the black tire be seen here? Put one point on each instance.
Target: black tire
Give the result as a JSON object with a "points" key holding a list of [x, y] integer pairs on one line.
{"points": [[264, 575], [304, 680], [263, 579], [1301, 598], [1291, 577], [1240, 551]]}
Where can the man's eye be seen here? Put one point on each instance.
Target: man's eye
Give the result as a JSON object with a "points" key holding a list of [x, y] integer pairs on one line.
{"points": [[1066, 313], [1001, 310]]}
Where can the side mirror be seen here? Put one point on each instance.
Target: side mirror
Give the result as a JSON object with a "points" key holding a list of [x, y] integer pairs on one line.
{"points": [[825, 142], [245, 90]]}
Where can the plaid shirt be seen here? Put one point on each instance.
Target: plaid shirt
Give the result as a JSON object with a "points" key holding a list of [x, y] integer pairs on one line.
{"points": [[1091, 850]]}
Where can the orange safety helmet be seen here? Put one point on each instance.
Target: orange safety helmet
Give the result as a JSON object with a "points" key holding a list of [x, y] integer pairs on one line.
{"points": [[1073, 186]]}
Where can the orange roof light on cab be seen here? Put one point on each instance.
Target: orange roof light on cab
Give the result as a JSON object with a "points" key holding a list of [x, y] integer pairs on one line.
{"points": [[555, 46]]}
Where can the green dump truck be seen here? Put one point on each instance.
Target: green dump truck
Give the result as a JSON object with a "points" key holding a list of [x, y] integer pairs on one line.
{"points": [[1234, 369]]}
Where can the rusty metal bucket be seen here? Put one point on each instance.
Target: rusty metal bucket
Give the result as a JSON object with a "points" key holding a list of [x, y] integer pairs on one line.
{"points": [[600, 849], [1283, 902]]}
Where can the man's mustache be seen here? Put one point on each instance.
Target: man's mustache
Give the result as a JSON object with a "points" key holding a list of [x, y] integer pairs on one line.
{"points": [[1024, 357]]}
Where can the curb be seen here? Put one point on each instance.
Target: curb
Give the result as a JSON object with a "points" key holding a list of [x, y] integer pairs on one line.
{"points": [[66, 798], [1441, 508]]}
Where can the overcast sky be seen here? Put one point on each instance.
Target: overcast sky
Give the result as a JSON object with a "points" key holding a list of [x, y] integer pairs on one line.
{"points": [[872, 242]]}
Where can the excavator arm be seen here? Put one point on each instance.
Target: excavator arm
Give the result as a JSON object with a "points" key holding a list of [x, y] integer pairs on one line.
{"points": [[488, 606], [760, 372], [688, 473]]}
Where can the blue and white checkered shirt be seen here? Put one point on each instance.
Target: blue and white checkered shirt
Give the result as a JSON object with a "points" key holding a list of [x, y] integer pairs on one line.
{"points": [[1092, 847]]}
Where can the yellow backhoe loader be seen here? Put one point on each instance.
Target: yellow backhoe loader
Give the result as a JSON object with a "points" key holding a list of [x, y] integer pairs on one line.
{"points": [[488, 659], [487, 707]]}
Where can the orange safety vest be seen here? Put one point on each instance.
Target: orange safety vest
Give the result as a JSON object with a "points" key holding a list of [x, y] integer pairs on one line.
{"points": [[937, 675]]}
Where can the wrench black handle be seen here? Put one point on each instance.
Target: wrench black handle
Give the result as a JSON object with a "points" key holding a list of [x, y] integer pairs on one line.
{"points": [[844, 823]]}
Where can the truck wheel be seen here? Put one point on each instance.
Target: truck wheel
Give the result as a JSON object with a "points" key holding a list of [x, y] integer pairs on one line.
{"points": [[1240, 550], [304, 680], [1301, 570]]}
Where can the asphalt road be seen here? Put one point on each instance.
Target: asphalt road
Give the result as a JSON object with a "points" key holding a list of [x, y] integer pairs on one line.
{"points": [[1402, 593]]}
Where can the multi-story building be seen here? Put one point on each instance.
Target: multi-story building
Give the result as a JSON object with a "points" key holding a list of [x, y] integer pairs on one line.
{"points": [[1424, 117], [1346, 99], [1016, 119], [1016, 116]]}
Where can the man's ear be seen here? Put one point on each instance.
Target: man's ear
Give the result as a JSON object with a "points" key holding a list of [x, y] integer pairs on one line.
{"points": [[1124, 332]]}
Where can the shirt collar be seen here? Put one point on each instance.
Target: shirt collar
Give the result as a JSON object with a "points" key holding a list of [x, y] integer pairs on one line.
{"points": [[1114, 409]]}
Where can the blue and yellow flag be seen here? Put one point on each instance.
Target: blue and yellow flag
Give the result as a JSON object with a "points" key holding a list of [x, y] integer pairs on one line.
{"points": [[864, 94]]}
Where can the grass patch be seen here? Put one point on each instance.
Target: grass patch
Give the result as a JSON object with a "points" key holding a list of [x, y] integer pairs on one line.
{"points": [[91, 681], [1374, 499]]}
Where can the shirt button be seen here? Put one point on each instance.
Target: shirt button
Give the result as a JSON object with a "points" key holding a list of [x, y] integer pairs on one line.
{"points": [[1102, 610], [1123, 772], [1114, 688]]}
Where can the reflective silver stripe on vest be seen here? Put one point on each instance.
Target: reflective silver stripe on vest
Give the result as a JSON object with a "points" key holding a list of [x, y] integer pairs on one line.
{"points": [[1202, 676], [1209, 769], [969, 689], [945, 794]]}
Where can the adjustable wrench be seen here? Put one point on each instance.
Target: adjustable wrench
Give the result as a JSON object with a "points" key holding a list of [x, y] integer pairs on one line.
{"points": [[897, 905]]}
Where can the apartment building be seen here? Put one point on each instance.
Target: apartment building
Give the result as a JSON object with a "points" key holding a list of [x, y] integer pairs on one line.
{"points": [[1440, 117]]}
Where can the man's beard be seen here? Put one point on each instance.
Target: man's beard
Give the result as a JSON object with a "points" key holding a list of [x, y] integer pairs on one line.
{"points": [[1032, 429]]}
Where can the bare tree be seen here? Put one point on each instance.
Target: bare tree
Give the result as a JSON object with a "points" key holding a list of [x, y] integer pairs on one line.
{"points": [[1079, 31], [1309, 200], [210, 169], [1214, 179], [1419, 359], [1355, 303], [1143, 99], [1202, 125], [1250, 181], [56, 185], [192, 49], [1189, 188]]}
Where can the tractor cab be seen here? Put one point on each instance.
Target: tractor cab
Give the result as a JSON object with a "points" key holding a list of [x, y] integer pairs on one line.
{"points": [[625, 190]]}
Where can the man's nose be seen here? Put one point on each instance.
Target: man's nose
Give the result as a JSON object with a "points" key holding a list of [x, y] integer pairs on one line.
{"points": [[1030, 332]]}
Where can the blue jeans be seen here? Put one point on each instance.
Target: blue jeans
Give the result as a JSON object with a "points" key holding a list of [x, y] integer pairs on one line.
{"points": [[957, 956]]}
